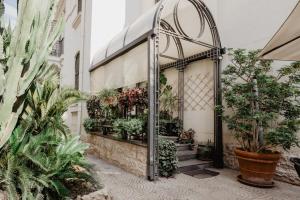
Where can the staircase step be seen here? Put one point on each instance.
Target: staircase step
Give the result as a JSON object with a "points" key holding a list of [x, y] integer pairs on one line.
{"points": [[186, 155], [193, 164], [183, 147], [172, 138]]}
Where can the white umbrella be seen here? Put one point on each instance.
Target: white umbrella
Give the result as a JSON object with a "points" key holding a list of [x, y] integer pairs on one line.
{"points": [[285, 44]]}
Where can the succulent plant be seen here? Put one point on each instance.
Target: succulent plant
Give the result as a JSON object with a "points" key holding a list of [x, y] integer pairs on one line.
{"points": [[24, 59]]}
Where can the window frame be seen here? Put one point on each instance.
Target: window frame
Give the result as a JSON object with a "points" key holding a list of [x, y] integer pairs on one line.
{"points": [[77, 68], [79, 6]]}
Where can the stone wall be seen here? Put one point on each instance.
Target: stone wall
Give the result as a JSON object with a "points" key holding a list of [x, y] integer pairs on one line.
{"points": [[130, 157], [285, 169]]}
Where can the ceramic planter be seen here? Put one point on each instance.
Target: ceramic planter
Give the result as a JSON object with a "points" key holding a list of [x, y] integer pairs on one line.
{"points": [[257, 169]]}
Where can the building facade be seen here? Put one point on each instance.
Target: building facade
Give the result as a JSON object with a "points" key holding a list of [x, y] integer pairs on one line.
{"points": [[71, 53]]}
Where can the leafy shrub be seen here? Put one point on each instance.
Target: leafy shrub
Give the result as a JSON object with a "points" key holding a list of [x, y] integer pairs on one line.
{"points": [[167, 158], [171, 127], [109, 97], [129, 127], [94, 108], [103, 105], [91, 125], [42, 156], [264, 105], [133, 97]]}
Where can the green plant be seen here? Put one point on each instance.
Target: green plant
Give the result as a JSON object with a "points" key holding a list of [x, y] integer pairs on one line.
{"points": [[42, 156], [131, 127], [167, 158], [23, 58], [168, 101], [171, 127], [264, 107], [94, 107], [91, 125], [205, 151], [134, 127], [132, 97], [109, 97]]}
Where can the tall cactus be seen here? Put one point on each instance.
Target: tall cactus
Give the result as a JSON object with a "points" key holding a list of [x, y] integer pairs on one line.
{"points": [[25, 58]]}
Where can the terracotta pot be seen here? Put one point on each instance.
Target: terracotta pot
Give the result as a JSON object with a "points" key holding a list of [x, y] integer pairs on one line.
{"points": [[257, 169]]}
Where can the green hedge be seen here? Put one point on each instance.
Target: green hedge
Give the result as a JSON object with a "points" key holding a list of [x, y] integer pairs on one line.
{"points": [[167, 158]]}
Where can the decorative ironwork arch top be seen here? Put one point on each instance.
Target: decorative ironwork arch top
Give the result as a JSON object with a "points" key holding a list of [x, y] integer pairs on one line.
{"points": [[184, 26]]}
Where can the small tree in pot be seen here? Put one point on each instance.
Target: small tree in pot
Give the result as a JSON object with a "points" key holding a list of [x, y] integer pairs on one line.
{"points": [[263, 112]]}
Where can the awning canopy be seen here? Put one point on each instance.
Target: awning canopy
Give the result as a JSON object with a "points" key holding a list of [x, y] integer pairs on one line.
{"points": [[178, 39], [285, 44]]}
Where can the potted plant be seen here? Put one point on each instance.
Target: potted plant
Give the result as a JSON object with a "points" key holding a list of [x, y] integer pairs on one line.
{"points": [[119, 128], [205, 151], [187, 137], [128, 128], [134, 128], [263, 112]]}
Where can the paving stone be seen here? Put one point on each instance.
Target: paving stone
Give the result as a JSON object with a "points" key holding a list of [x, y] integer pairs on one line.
{"points": [[125, 186]]}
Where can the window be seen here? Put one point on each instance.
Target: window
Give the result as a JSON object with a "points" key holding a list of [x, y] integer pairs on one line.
{"points": [[77, 65], [79, 6]]}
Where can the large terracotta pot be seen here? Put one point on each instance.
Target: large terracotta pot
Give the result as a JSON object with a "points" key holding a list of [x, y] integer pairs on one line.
{"points": [[257, 169]]}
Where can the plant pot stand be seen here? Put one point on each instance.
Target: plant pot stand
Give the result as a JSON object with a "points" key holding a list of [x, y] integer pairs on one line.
{"points": [[254, 184]]}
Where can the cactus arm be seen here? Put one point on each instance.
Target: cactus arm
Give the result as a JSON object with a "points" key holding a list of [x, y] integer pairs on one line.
{"points": [[33, 26]]}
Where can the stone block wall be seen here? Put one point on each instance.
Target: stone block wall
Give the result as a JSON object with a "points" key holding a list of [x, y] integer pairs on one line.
{"points": [[285, 170], [130, 157]]}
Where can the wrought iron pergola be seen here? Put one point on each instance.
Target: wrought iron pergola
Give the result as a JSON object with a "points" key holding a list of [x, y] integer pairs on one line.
{"points": [[177, 32]]}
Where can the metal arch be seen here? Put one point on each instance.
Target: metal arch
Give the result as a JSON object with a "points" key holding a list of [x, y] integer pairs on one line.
{"points": [[201, 17], [153, 80], [166, 26]]}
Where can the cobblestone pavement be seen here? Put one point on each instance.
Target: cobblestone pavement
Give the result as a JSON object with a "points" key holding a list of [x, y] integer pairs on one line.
{"points": [[125, 186]]}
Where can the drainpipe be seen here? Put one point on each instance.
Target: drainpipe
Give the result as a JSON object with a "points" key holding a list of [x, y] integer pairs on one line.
{"points": [[81, 105]]}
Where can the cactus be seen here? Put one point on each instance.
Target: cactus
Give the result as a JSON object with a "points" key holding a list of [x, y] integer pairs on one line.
{"points": [[25, 58]]}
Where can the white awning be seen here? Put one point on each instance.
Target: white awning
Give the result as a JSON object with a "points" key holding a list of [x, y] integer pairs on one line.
{"points": [[285, 44]]}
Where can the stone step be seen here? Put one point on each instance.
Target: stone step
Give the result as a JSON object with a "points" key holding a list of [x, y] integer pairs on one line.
{"points": [[186, 155], [172, 138], [193, 164], [183, 147]]}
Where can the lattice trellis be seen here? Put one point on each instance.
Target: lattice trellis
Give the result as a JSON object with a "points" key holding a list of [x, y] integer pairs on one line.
{"points": [[199, 92]]}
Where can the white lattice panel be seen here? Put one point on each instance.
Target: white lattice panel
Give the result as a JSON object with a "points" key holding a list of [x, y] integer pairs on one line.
{"points": [[199, 92]]}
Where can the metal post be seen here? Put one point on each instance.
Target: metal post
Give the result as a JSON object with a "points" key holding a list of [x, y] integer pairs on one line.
{"points": [[181, 94], [153, 115], [218, 157]]}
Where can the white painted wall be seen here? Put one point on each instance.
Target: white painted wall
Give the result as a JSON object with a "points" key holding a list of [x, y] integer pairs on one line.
{"points": [[135, 8], [77, 38]]}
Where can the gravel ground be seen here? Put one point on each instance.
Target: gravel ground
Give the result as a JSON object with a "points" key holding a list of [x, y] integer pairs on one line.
{"points": [[125, 186]]}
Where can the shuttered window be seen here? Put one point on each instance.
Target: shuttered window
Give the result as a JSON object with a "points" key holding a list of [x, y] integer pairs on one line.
{"points": [[79, 8], [77, 65]]}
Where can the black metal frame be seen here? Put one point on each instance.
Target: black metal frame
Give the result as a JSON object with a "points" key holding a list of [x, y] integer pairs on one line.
{"points": [[215, 52], [177, 34]]}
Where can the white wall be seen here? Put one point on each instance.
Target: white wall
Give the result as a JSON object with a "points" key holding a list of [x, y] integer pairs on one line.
{"points": [[135, 8], [77, 38], [251, 23]]}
